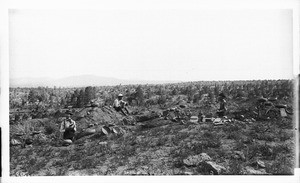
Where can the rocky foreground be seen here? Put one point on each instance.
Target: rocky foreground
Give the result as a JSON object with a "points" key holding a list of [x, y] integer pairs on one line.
{"points": [[147, 144]]}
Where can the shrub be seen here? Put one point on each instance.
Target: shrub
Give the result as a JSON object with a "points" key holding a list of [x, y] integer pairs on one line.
{"points": [[283, 136], [235, 167], [266, 136], [285, 123], [208, 134], [211, 143], [50, 128], [232, 128], [234, 135], [282, 165], [259, 150]]}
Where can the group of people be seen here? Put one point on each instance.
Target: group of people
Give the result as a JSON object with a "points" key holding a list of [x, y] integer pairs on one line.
{"points": [[68, 126]]}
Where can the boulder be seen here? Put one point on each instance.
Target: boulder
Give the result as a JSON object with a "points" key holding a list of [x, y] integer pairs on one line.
{"points": [[258, 164], [147, 116], [67, 141], [240, 155], [196, 160], [105, 130], [251, 171], [283, 112], [129, 120], [261, 164], [212, 167], [15, 142], [90, 131]]}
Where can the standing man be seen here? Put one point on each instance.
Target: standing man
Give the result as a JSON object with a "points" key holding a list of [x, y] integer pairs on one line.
{"points": [[68, 127], [221, 99], [119, 105]]}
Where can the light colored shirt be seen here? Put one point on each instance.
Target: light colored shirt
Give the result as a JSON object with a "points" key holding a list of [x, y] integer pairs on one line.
{"points": [[118, 103], [67, 123], [222, 104]]}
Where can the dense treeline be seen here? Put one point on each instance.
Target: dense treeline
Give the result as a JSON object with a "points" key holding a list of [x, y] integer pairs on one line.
{"points": [[43, 98]]}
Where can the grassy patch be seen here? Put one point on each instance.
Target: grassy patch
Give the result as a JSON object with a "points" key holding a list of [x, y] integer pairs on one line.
{"points": [[235, 167], [282, 165], [234, 135], [266, 151], [266, 136], [284, 135]]}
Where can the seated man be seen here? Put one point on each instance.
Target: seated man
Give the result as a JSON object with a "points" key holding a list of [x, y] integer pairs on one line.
{"points": [[119, 105], [68, 127]]}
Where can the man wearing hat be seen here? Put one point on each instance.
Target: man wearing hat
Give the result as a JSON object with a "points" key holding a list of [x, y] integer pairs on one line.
{"points": [[221, 99], [68, 127], [119, 105]]}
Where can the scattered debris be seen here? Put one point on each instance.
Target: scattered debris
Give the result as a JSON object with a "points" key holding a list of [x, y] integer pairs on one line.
{"points": [[218, 122], [194, 119], [103, 143]]}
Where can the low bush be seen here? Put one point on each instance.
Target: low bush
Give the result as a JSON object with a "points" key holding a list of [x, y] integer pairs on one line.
{"points": [[283, 136], [235, 167], [266, 136], [282, 165], [234, 135], [50, 128], [285, 123], [232, 128]]}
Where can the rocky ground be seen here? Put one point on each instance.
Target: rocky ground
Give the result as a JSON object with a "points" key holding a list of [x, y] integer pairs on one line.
{"points": [[147, 144]]}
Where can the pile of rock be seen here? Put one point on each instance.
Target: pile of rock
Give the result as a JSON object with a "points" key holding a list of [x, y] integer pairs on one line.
{"points": [[205, 163]]}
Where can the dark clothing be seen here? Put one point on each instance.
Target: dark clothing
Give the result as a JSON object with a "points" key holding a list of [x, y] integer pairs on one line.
{"points": [[69, 133], [118, 109], [221, 111]]}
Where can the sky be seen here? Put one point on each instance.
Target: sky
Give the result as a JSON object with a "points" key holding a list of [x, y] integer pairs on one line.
{"points": [[169, 44]]}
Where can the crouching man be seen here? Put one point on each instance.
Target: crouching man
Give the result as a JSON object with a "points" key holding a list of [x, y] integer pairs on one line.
{"points": [[68, 127], [119, 105]]}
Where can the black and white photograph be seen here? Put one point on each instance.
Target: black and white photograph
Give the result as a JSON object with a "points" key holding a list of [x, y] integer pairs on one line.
{"points": [[152, 92]]}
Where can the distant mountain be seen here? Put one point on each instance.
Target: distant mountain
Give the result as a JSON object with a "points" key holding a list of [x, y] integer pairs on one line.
{"points": [[78, 81]]}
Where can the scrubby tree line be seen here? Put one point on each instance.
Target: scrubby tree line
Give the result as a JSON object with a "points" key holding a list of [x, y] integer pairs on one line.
{"points": [[43, 98]]}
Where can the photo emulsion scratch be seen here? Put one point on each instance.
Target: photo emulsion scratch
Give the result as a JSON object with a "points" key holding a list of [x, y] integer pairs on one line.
{"points": [[151, 92]]}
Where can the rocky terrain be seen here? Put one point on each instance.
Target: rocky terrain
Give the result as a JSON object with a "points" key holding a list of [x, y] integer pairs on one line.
{"points": [[150, 143]]}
